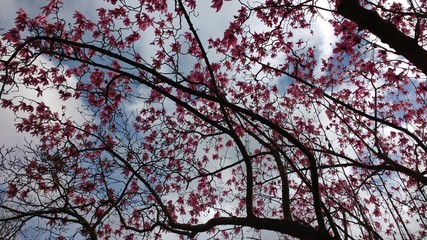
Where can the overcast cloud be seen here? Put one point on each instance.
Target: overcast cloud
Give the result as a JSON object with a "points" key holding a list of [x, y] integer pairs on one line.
{"points": [[212, 24]]}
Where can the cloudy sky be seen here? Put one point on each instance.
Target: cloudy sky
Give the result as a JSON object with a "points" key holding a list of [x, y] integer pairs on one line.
{"points": [[8, 135], [209, 24], [212, 24]]}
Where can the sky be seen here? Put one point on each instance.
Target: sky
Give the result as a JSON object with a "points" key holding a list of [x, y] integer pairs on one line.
{"points": [[211, 24], [8, 11], [9, 137], [206, 26]]}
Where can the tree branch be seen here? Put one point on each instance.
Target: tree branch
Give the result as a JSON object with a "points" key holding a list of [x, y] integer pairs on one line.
{"points": [[386, 31]]}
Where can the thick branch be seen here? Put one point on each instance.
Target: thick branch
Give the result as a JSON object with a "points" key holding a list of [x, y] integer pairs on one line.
{"points": [[280, 225], [386, 31]]}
